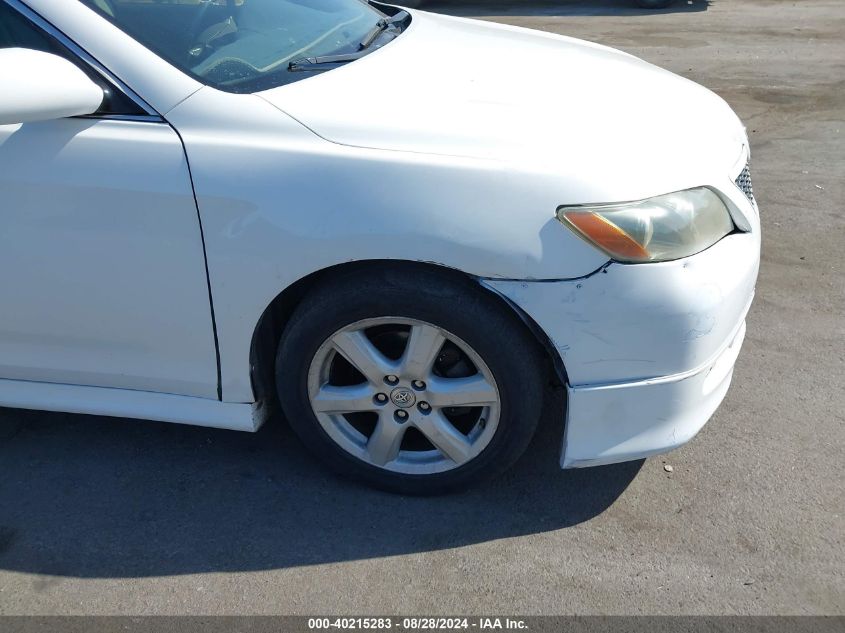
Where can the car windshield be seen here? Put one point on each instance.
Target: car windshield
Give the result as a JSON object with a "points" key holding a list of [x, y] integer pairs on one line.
{"points": [[242, 45]]}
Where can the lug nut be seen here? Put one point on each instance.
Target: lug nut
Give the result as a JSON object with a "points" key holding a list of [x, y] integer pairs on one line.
{"points": [[391, 379], [401, 415], [381, 398], [425, 407], [419, 385]]}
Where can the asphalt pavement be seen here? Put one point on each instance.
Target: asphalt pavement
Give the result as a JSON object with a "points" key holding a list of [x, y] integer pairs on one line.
{"points": [[104, 516]]}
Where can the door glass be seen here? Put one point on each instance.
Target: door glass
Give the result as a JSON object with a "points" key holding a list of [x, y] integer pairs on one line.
{"points": [[18, 32]]}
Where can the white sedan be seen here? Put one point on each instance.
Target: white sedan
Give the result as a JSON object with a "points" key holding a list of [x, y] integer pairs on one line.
{"points": [[399, 226]]}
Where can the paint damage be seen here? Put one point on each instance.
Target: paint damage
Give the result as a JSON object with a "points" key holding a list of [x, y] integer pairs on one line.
{"points": [[648, 350]]}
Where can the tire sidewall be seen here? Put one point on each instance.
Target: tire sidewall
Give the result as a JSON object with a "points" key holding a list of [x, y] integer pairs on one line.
{"points": [[496, 336]]}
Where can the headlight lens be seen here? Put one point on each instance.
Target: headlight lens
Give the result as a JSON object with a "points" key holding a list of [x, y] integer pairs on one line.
{"points": [[658, 229]]}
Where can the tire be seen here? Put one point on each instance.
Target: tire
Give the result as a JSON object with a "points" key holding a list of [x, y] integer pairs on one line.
{"points": [[489, 362], [654, 4]]}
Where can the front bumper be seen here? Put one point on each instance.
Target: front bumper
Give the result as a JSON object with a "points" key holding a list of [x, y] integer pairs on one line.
{"points": [[617, 423], [649, 349]]}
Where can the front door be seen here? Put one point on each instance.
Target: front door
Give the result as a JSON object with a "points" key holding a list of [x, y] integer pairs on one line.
{"points": [[102, 270]]}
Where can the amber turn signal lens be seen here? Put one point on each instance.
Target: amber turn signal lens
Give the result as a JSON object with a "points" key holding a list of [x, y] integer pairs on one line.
{"points": [[606, 235]]}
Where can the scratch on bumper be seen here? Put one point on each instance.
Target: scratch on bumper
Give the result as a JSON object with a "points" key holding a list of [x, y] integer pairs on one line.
{"points": [[648, 349]]}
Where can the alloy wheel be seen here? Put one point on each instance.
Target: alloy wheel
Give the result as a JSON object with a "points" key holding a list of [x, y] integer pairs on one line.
{"points": [[404, 395]]}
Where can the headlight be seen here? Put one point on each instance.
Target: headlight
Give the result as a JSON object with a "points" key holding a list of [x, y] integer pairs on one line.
{"points": [[658, 229]]}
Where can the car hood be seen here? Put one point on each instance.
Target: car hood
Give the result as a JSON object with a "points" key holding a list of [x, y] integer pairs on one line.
{"points": [[468, 88]]}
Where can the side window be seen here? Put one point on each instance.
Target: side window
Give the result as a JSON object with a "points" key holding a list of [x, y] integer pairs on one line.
{"points": [[16, 31]]}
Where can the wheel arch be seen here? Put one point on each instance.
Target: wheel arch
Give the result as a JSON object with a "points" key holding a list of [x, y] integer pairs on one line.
{"points": [[272, 322]]}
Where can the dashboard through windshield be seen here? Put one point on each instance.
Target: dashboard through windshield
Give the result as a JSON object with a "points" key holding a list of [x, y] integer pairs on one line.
{"points": [[243, 45]]}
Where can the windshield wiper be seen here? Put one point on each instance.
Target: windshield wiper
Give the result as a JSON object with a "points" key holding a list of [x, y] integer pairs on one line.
{"points": [[380, 27], [310, 63]]}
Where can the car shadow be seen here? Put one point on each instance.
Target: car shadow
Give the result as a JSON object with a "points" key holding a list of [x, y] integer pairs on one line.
{"points": [[552, 8], [93, 497]]}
